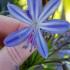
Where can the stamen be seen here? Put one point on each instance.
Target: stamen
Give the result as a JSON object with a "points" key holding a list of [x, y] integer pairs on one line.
{"points": [[31, 41]]}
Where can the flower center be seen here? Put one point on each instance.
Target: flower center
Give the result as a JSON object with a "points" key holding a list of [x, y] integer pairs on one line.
{"points": [[35, 25]]}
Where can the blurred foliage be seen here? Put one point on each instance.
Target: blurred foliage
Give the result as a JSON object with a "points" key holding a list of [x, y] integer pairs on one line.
{"points": [[3, 7], [58, 12], [55, 42], [67, 9]]}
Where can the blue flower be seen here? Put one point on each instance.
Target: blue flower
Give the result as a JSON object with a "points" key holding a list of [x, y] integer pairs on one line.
{"points": [[37, 23], [64, 52], [59, 66]]}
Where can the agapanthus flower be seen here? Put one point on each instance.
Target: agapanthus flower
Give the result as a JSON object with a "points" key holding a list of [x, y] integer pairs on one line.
{"points": [[59, 66], [37, 24], [67, 36], [64, 52]]}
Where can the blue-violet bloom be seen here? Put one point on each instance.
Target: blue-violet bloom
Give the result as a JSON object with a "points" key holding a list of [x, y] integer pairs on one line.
{"points": [[64, 52], [37, 23]]}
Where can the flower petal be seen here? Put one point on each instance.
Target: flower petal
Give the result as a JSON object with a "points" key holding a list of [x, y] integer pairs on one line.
{"points": [[31, 5], [64, 52], [49, 9], [35, 7], [17, 37], [18, 13], [42, 46], [38, 8], [59, 66], [55, 26]]}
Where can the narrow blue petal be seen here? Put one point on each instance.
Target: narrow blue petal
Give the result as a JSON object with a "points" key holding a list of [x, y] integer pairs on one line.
{"points": [[64, 52], [38, 8], [18, 13], [35, 8], [55, 26], [17, 37], [42, 46], [61, 53], [49, 9], [28, 13], [59, 67], [31, 7]]}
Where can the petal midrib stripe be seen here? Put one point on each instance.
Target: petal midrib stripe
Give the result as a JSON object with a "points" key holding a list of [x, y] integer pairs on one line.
{"points": [[18, 14]]}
